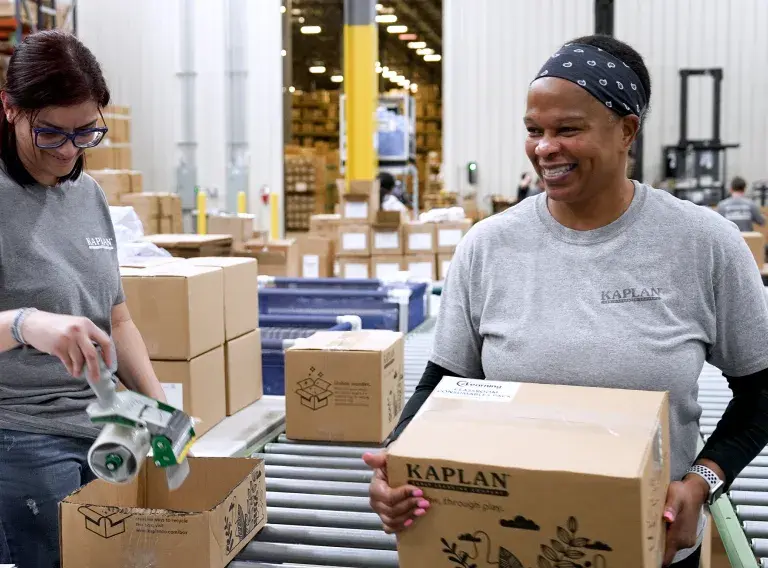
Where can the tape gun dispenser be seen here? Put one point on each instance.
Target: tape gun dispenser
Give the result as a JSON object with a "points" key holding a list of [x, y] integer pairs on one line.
{"points": [[134, 424]]}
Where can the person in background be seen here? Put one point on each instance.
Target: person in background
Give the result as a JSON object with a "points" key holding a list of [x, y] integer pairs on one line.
{"points": [[739, 208], [61, 295], [602, 281], [389, 200], [528, 187]]}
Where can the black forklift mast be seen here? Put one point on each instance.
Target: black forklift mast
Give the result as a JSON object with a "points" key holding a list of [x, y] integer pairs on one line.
{"points": [[696, 169]]}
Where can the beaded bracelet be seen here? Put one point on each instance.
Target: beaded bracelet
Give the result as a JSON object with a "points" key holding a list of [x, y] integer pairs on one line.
{"points": [[17, 322]]}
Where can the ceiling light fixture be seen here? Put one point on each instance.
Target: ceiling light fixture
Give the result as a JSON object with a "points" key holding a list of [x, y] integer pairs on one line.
{"points": [[379, 7], [291, 89], [433, 57], [337, 78], [414, 87], [406, 37], [386, 18], [282, 9], [388, 74], [311, 29], [397, 29], [425, 51], [417, 45], [317, 69], [296, 12], [283, 52]]}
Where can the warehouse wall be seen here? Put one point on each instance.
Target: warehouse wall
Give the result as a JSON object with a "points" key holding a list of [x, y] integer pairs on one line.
{"points": [[492, 49], [696, 34], [138, 44]]}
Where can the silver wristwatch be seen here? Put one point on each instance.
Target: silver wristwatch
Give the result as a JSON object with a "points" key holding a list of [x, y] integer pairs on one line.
{"points": [[716, 485]]}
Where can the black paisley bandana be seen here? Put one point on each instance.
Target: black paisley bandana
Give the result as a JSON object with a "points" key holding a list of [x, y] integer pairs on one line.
{"points": [[605, 77]]}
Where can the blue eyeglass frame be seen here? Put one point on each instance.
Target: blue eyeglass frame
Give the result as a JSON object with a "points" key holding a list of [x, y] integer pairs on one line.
{"points": [[69, 136]]}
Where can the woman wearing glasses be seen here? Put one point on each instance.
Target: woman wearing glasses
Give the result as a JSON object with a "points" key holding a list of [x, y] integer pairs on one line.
{"points": [[60, 290]]}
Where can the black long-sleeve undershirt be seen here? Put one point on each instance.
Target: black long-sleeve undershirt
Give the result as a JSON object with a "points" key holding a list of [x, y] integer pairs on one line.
{"points": [[739, 437]]}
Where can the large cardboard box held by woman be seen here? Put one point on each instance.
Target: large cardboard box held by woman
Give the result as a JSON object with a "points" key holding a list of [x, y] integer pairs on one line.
{"points": [[530, 475]]}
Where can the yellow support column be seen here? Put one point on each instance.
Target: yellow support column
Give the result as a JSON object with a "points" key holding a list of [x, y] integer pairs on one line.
{"points": [[361, 89]]}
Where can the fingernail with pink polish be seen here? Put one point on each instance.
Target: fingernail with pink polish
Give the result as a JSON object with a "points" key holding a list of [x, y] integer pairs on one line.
{"points": [[423, 504], [419, 512], [418, 493], [408, 523]]}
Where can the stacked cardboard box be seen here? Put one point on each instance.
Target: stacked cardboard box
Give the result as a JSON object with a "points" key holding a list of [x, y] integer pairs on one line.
{"points": [[387, 244], [179, 311], [358, 206], [318, 248], [447, 236], [160, 213], [240, 226], [114, 152], [303, 174], [185, 245], [242, 338], [275, 257], [118, 183], [345, 386]]}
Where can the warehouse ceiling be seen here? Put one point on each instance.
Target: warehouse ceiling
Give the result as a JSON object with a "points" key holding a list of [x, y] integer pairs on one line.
{"points": [[423, 19]]}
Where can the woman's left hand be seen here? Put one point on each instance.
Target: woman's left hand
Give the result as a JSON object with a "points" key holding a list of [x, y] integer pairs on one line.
{"points": [[681, 513]]}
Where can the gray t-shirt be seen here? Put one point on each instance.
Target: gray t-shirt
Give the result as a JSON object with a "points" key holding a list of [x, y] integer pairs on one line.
{"points": [[742, 211], [57, 254], [639, 304]]}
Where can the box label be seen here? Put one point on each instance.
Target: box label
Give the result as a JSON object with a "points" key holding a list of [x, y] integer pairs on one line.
{"points": [[310, 266], [356, 210], [353, 241], [354, 270], [174, 394], [449, 237], [387, 270], [387, 240], [473, 389], [420, 241], [421, 269]]}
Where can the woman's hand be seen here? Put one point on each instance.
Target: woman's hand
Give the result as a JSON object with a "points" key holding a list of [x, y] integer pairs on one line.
{"points": [[70, 338], [397, 508], [681, 513]]}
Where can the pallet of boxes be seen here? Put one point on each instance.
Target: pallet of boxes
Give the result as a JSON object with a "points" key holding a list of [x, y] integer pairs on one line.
{"points": [[199, 320], [429, 247], [358, 206]]}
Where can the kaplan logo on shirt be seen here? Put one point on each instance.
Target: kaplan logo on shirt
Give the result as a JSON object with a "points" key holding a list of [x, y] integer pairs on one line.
{"points": [[99, 243], [630, 295]]}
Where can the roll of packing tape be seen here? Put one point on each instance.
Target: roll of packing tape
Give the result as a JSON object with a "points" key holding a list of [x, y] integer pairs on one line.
{"points": [[119, 452]]}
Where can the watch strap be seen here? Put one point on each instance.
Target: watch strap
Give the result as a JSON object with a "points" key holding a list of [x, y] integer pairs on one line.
{"points": [[712, 479]]}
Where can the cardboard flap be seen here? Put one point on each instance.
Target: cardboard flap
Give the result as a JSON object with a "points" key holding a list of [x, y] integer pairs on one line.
{"points": [[367, 340], [221, 261], [182, 269], [183, 240]]}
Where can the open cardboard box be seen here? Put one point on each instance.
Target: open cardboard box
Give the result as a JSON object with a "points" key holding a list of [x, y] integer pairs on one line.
{"points": [[203, 524]]}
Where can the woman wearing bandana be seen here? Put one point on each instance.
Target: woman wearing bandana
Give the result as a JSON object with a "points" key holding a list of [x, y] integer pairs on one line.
{"points": [[603, 281]]}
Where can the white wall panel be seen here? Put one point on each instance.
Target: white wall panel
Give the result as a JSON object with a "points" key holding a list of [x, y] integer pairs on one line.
{"points": [[492, 50], [695, 34]]}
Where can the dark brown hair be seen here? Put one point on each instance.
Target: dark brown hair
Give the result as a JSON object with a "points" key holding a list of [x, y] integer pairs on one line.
{"points": [[738, 184], [49, 68]]}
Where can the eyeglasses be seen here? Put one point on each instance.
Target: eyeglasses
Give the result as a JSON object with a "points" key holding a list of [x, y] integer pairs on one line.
{"points": [[48, 138]]}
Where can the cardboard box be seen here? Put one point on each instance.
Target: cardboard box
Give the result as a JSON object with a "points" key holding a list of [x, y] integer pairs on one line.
{"points": [[449, 233], [387, 240], [198, 387], [443, 263], [390, 219], [353, 267], [386, 267], [344, 386], [316, 256], [421, 266], [756, 243], [568, 453], [359, 208], [363, 188], [148, 261], [243, 371], [186, 245], [239, 226], [117, 183], [178, 308], [354, 240], [419, 238], [241, 292], [325, 225], [204, 524], [276, 258]]}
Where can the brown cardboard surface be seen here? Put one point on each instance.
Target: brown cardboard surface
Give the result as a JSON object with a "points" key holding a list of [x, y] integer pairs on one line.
{"points": [[390, 219], [241, 292], [421, 265], [354, 240], [149, 261], [243, 371], [316, 256], [386, 266], [539, 498], [178, 308], [344, 386], [204, 524], [276, 258], [387, 240], [354, 267], [239, 226], [325, 225], [449, 233], [419, 238], [362, 187], [198, 387], [756, 243], [359, 208]]}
